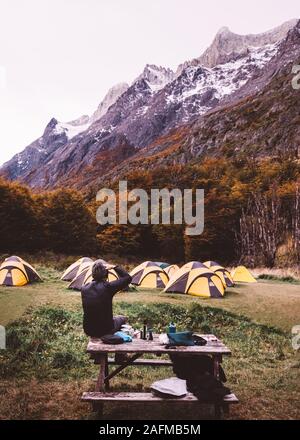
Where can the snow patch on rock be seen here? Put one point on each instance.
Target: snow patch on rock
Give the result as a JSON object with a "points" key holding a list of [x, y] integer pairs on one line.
{"points": [[223, 79]]}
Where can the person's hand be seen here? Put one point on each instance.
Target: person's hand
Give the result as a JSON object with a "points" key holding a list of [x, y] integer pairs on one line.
{"points": [[110, 266]]}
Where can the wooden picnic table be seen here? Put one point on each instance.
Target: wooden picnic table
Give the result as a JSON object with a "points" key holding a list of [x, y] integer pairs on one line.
{"points": [[135, 350]]}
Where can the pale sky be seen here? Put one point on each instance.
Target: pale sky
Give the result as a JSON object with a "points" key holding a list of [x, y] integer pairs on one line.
{"points": [[58, 58]]}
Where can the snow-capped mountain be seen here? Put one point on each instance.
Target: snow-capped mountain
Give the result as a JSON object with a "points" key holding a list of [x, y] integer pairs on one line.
{"points": [[156, 77], [73, 128], [159, 100], [198, 88], [229, 46], [110, 98], [56, 135]]}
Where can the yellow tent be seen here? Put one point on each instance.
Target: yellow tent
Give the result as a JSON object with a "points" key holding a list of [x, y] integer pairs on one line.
{"points": [[242, 275], [149, 275], [85, 277], [143, 265], [171, 270], [194, 265], [223, 273], [16, 272], [200, 282], [72, 271]]}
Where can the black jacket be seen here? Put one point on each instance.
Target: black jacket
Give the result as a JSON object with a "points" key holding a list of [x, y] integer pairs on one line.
{"points": [[97, 304]]}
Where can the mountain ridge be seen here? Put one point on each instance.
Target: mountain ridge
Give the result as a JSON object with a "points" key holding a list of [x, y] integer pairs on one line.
{"points": [[133, 117], [228, 45]]}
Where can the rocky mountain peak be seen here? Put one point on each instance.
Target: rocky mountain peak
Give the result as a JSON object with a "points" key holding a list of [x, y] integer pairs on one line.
{"points": [[294, 33], [228, 46], [51, 128], [110, 98], [224, 30], [156, 77], [51, 124]]}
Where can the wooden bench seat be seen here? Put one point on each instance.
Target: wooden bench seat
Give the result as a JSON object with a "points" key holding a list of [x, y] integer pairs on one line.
{"points": [[145, 397], [145, 362]]}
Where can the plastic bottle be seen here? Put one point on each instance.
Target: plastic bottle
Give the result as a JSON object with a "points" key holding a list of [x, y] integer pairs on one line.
{"points": [[172, 327]]}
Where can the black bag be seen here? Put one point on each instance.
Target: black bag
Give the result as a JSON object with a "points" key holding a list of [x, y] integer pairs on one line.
{"points": [[112, 339], [198, 373], [200, 364], [207, 388]]}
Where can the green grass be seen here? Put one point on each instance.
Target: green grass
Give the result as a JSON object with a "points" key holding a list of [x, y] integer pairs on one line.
{"points": [[49, 342], [45, 369], [267, 302], [15, 301], [47, 347], [286, 279]]}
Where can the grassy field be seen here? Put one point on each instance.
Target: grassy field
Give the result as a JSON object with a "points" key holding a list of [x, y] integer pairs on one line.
{"points": [[45, 369], [267, 302]]}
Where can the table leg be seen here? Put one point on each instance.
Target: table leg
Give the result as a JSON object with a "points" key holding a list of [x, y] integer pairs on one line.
{"points": [[217, 359], [122, 367], [102, 361], [106, 374], [100, 385]]}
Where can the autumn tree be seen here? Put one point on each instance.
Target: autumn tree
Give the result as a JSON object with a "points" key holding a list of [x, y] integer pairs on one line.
{"points": [[70, 226], [168, 241], [262, 228], [124, 240], [296, 222], [19, 225]]}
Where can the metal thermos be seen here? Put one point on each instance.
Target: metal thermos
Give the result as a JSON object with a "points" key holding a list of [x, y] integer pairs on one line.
{"points": [[150, 334], [145, 332]]}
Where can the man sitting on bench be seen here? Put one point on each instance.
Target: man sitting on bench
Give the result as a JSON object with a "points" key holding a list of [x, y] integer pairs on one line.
{"points": [[97, 298]]}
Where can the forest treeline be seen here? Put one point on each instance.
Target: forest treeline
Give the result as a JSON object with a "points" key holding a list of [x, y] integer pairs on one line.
{"points": [[251, 215]]}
